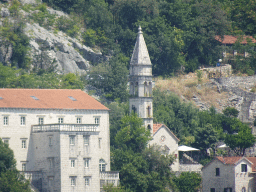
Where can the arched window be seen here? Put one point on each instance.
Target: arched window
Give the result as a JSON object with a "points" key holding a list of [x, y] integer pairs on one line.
{"points": [[149, 127], [145, 89], [136, 89], [150, 89], [102, 165], [148, 111], [243, 189], [134, 109], [131, 88]]}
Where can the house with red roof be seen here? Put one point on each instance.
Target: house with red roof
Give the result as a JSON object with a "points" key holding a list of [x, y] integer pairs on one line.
{"points": [[60, 138], [168, 142], [228, 41], [230, 174]]}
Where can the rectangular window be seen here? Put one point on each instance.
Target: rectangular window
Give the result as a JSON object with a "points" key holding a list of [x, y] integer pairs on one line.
{"points": [[51, 162], [24, 167], [72, 162], [217, 171], [40, 120], [86, 162], [87, 181], [212, 189], [86, 139], [23, 144], [227, 189], [99, 142], [73, 181], [22, 120], [78, 120], [50, 140], [6, 120], [97, 120], [72, 139], [60, 120], [6, 140], [243, 168]]}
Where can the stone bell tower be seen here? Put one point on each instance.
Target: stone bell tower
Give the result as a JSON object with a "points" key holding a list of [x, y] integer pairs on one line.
{"points": [[140, 79]]}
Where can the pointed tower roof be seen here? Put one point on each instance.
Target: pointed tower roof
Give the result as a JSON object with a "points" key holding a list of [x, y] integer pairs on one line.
{"points": [[140, 54]]}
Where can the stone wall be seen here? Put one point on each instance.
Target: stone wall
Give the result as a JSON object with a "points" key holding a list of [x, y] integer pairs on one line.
{"points": [[215, 72]]}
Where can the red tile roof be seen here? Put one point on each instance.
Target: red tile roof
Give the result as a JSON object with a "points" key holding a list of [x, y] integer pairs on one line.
{"points": [[234, 160], [48, 99], [229, 39], [253, 160], [229, 160], [156, 127]]}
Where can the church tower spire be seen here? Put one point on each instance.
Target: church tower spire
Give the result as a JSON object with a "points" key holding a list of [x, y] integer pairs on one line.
{"points": [[141, 100]]}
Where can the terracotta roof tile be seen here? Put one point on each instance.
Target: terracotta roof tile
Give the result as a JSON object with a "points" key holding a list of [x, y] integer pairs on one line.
{"points": [[229, 160], [253, 160], [48, 99], [156, 127], [229, 39]]}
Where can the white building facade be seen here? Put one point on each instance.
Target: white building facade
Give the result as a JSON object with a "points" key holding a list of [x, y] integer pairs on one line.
{"points": [[229, 174], [60, 137]]}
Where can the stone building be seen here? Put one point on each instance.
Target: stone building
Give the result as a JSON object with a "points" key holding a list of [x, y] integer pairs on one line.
{"points": [[60, 138], [141, 99], [230, 174]]}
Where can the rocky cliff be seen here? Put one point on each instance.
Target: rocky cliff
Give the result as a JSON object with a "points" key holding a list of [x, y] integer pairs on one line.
{"points": [[68, 54]]}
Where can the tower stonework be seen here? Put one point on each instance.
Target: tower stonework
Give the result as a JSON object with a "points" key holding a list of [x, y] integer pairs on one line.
{"points": [[140, 79]]}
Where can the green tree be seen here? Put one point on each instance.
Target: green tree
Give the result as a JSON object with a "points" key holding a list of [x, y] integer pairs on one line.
{"points": [[230, 112], [188, 181], [10, 178], [240, 141], [205, 137]]}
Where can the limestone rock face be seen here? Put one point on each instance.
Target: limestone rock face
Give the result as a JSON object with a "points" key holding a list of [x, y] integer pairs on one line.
{"points": [[23, 2], [68, 54], [4, 12]]}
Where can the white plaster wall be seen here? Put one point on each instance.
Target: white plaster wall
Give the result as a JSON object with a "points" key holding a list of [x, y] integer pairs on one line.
{"points": [[145, 70], [225, 180], [61, 150], [170, 142], [243, 179]]}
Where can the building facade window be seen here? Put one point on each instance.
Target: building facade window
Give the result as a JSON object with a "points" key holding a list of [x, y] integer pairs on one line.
{"points": [[243, 168], [60, 120], [72, 139], [86, 139], [243, 189], [100, 143], [6, 120], [73, 162], [86, 162], [22, 120], [78, 120], [217, 171], [97, 120], [6, 140], [212, 189], [102, 165], [23, 167], [73, 181], [87, 181], [50, 140], [40, 120], [51, 162], [23, 143], [227, 189]]}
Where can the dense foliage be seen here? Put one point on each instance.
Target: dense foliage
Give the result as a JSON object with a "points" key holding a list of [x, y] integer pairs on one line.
{"points": [[140, 168], [10, 178]]}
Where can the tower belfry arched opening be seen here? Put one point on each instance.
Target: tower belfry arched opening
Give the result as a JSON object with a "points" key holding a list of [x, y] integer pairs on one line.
{"points": [[140, 79]]}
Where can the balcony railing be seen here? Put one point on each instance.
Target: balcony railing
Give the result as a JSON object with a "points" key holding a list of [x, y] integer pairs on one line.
{"points": [[109, 175], [64, 127], [32, 175]]}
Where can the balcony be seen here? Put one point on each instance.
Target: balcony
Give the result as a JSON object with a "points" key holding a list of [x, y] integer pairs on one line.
{"points": [[109, 175], [65, 128]]}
